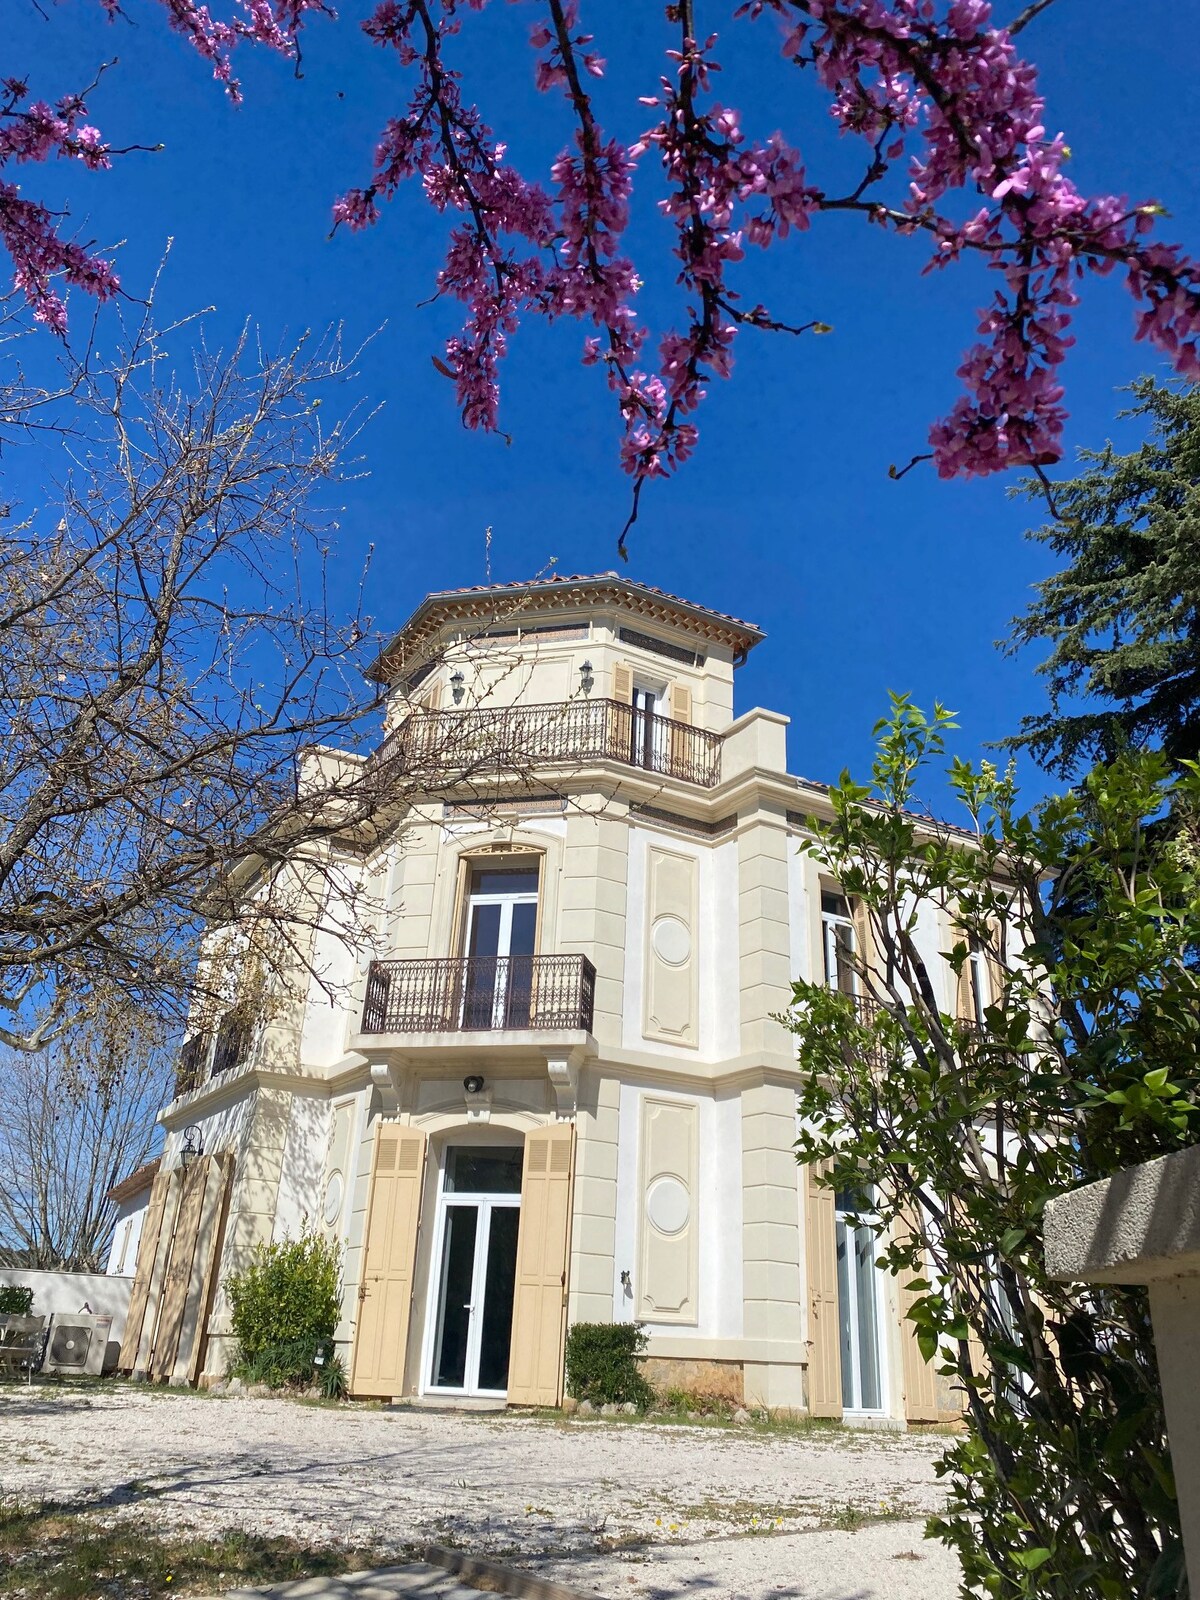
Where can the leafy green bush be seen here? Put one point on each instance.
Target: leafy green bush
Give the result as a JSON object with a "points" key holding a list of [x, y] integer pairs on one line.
{"points": [[16, 1300], [602, 1363], [285, 1307]]}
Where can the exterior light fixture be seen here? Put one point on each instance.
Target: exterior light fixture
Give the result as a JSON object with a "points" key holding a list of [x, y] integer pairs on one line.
{"points": [[473, 1084], [192, 1146], [458, 687], [587, 677]]}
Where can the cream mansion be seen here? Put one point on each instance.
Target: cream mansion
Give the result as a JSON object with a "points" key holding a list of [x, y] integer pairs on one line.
{"points": [[529, 1072]]}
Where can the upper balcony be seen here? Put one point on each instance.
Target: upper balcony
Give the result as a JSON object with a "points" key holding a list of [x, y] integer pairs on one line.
{"points": [[467, 994], [520, 739]]}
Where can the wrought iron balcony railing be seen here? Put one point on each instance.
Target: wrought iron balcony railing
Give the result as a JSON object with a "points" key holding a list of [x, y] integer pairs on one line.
{"points": [[189, 1072], [519, 739], [450, 995]]}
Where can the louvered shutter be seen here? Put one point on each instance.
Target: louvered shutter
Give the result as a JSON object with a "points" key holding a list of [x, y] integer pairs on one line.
{"points": [[178, 1277], [824, 1333], [679, 699], [623, 682], [144, 1271], [540, 1304], [679, 707], [389, 1258], [920, 1380]]}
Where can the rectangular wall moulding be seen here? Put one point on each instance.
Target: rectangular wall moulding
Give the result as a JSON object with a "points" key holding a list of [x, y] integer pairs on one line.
{"points": [[672, 987], [667, 1211]]}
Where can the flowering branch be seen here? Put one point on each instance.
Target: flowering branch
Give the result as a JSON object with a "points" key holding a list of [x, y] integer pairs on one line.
{"points": [[937, 90]]}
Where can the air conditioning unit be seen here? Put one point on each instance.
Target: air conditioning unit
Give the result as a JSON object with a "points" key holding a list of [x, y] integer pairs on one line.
{"points": [[76, 1344]]}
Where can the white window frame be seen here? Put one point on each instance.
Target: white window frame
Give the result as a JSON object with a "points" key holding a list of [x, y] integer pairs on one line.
{"points": [[842, 1220], [979, 979], [485, 1203], [831, 922], [506, 900]]}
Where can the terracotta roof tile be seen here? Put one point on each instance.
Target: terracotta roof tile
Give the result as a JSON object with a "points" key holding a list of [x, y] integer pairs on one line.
{"points": [[141, 1178], [407, 643]]}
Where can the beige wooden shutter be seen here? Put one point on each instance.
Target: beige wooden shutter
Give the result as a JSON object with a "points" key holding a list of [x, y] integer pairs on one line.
{"points": [[623, 682], [540, 1305], [864, 944], [143, 1271], [432, 698], [824, 1329], [964, 1000], [210, 1246], [679, 700], [679, 707], [178, 1276], [389, 1258], [920, 1380], [996, 972]]}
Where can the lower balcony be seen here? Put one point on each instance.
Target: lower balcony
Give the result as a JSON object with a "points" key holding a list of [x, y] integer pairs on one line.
{"points": [[475, 994]]}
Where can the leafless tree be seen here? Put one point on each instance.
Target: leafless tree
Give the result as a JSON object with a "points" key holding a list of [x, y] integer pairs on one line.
{"points": [[166, 657], [75, 1119]]}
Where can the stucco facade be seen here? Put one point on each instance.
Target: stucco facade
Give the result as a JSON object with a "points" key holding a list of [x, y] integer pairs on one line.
{"points": [[600, 920]]}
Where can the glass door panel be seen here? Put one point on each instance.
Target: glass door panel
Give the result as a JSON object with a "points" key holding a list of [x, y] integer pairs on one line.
{"points": [[858, 1312], [454, 1297], [865, 1291], [499, 1285], [519, 975], [483, 946]]}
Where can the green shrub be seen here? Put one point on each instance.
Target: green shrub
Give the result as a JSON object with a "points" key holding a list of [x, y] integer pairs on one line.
{"points": [[285, 1307], [694, 1403], [15, 1300], [331, 1378], [602, 1363], [293, 1364]]}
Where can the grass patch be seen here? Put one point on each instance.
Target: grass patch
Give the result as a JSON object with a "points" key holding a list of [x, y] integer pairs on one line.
{"points": [[720, 1416], [56, 1552], [850, 1517]]}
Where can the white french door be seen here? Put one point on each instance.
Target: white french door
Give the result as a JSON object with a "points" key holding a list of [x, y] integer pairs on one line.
{"points": [[860, 1306], [473, 1282], [649, 734], [501, 933]]}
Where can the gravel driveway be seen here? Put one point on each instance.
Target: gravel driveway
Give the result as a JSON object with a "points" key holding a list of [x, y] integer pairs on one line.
{"points": [[633, 1509]]}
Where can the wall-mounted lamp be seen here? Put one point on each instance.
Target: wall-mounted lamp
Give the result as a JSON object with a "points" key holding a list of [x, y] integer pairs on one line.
{"points": [[587, 677], [192, 1146], [473, 1084], [458, 687], [627, 1281]]}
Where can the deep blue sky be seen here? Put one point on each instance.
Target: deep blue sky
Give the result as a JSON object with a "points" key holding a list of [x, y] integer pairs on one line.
{"points": [[786, 515]]}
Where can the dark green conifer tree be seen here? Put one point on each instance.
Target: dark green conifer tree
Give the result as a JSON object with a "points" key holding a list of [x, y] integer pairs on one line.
{"points": [[1123, 616]]}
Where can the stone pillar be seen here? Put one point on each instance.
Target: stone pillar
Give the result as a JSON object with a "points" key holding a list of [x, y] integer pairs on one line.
{"points": [[1175, 1308], [1143, 1226], [771, 1249], [592, 910], [594, 1228], [765, 967]]}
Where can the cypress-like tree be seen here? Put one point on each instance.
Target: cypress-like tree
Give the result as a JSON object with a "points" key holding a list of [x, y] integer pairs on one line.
{"points": [[1123, 616]]}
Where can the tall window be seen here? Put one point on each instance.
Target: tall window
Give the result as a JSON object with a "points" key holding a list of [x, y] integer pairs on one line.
{"points": [[977, 979], [837, 939], [859, 1301], [501, 928]]}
